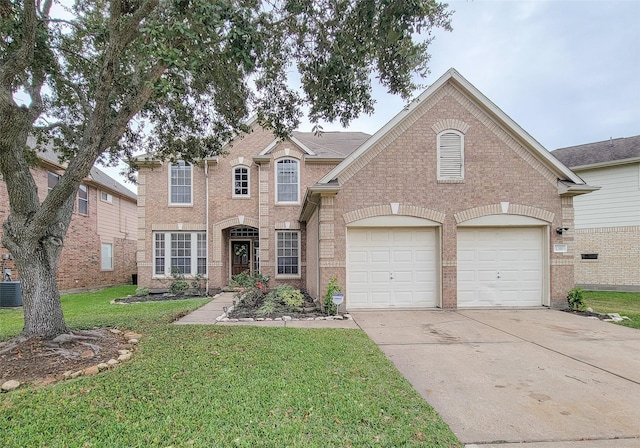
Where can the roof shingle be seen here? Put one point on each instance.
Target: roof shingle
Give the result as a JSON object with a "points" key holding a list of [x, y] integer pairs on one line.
{"points": [[599, 152]]}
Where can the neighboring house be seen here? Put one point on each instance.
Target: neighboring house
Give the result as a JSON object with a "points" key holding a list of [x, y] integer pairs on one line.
{"points": [[608, 221], [100, 244], [451, 204]]}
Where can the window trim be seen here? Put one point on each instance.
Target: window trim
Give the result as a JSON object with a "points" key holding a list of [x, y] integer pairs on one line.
{"points": [[85, 200], [442, 177], [233, 182], [170, 199], [108, 199], [277, 164], [167, 256], [102, 253], [298, 256]]}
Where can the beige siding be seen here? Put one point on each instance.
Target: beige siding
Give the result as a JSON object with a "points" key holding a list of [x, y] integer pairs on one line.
{"points": [[616, 204], [117, 219]]}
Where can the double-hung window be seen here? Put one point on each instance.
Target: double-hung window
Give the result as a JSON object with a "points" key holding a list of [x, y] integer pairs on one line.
{"points": [[52, 180], [179, 252], [287, 181], [241, 181], [83, 200], [180, 181], [288, 248], [450, 156]]}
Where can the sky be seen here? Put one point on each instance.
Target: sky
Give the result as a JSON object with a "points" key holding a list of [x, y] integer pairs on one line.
{"points": [[567, 71]]}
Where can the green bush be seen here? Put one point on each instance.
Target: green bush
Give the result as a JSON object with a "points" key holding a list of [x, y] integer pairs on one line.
{"points": [[246, 280], [142, 291], [290, 296], [179, 285], [576, 299], [330, 308]]}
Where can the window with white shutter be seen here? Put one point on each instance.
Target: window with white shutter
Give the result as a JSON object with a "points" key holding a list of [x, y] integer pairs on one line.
{"points": [[450, 155]]}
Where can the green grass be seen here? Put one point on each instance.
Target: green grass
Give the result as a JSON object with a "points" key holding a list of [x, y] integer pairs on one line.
{"points": [[93, 309], [208, 386], [624, 303]]}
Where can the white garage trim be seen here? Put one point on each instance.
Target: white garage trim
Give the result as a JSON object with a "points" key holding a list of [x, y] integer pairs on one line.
{"points": [[503, 266], [393, 221], [393, 267]]}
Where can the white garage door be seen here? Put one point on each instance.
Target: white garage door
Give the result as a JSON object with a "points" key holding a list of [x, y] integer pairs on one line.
{"points": [[500, 266], [391, 267]]}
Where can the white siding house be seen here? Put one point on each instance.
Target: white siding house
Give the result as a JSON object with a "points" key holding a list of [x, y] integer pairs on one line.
{"points": [[607, 221]]}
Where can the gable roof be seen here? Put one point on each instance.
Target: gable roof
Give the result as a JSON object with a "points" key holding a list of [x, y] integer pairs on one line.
{"points": [[326, 145], [614, 151], [452, 76], [98, 176], [336, 144]]}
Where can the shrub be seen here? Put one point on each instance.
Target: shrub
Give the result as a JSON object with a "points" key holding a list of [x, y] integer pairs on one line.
{"points": [[196, 284], [290, 296], [142, 291], [576, 299], [246, 280], [179, 285], [330, 308], [252, 298]]}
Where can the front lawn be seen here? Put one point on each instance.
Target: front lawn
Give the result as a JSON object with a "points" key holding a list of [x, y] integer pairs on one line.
{"points": [[208, 386], [623, 303], [93, 309]]}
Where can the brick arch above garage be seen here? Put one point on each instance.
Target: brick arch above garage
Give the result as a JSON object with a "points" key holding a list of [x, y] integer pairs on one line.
{"points": [[393, 209], [504, 208]]}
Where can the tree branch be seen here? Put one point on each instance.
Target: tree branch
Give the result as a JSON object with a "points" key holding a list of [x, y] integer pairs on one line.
{"points": [[20, 60]]}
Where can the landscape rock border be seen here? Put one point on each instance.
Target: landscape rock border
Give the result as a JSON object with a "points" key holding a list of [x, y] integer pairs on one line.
{"points": [[123, 356], [224, 317]]}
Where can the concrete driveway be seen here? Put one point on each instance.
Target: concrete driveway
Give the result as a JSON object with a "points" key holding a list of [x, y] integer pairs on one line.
{"points": [[502, 377]]}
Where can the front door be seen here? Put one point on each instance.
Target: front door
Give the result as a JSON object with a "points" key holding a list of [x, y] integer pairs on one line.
{"points": [[240, 257]]}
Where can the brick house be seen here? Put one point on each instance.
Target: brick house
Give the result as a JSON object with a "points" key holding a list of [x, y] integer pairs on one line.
{"points": [[450, 204], [607, 222], [99, 248]]}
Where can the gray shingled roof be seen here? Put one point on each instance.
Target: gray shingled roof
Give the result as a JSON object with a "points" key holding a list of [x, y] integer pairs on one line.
{"points": [[599, 152], [96, 174], [332, 144]]}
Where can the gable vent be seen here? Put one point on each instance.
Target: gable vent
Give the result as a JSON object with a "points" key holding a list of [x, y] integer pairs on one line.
{"points": [[450, 156]]}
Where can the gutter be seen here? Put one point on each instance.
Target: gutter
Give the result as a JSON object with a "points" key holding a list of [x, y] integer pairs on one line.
{"points": [[206, 221]]}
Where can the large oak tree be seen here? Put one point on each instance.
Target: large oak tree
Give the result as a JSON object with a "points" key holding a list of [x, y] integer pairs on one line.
{"points": [[99, 80]]}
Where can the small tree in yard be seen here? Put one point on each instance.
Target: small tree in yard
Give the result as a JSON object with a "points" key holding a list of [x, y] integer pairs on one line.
{"points": [[98, 80]]}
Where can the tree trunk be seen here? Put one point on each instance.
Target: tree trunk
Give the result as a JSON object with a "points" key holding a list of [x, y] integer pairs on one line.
{"points": [[37, 265]]}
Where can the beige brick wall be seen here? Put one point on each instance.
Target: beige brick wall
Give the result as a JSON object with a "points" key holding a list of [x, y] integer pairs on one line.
{"points": [[80, 261], [401, 168], [618, 263], [259, 210]]}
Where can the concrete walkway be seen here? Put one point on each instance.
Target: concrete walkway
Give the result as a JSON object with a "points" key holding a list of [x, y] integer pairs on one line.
{"points": [[527, 378], [206, 315]]}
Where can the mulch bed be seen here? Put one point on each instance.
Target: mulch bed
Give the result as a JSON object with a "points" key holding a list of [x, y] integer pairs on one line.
{"points": [[308, 309]]}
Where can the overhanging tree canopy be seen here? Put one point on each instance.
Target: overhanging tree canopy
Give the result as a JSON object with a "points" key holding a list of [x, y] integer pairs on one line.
{"points": [[106, 78]]}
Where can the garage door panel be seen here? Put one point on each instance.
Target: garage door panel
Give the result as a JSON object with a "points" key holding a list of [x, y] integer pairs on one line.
{"points": [[500, 267], [400, 264]]}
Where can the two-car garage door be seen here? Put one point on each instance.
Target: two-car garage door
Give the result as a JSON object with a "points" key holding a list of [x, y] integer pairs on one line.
{"points": [[397, 267], [392, 267]]}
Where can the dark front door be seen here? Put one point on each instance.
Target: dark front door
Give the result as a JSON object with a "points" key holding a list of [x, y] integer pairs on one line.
{"points": [[240, 257]]}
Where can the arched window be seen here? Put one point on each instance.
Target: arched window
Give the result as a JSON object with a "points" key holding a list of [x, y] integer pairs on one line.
{"points": [[287, 180], [241, 181], [450, 155]]}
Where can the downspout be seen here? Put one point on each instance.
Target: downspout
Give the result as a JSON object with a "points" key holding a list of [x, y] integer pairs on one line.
{"points": [[206, 221]]}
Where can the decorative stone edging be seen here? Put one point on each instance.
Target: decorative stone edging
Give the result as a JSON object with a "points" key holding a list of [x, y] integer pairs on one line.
{"points": [[224, 318], [123, 355]]}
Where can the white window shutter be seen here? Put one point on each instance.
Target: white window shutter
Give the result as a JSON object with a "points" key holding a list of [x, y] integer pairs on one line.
{"points": [[450, 156]]}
